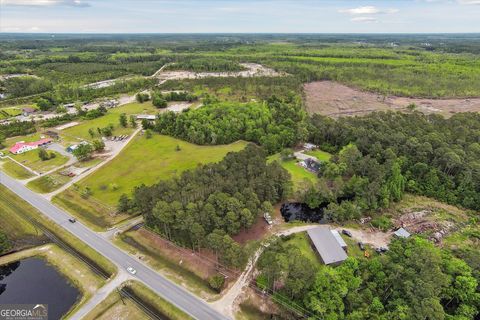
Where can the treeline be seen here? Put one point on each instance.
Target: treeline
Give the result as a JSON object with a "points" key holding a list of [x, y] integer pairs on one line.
{"points": [[413, 280], [17, 128], [384, 154], [239, 89], [204, 207], [274, 124], [211, 64], [24, 86]]}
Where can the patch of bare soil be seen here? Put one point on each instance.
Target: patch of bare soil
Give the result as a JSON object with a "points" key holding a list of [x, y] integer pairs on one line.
{"points": [[425, 222], [252, 70], [336, 100]]}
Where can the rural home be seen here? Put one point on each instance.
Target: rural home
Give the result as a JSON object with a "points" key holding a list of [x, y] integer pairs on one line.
{"points": [[309, 146], [27, 111], [71, 148], [21, 147], [310, 165], [327, 246]]}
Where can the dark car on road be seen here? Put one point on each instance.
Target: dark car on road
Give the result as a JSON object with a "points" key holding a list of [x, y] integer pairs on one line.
{"points": [[72, 220]]}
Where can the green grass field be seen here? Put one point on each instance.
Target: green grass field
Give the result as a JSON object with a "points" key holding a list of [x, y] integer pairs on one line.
{"points": [[301, 241], [149, 160], [48, 183], [15, 170], [320, 155], [32, 160], [12, 223], [9, 112], [158, 159], [80, 131], [298, 173]]}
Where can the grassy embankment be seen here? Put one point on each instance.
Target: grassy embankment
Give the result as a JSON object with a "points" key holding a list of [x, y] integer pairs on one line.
{"points": [[116, 307], [142, 161], [160, 259], [16, 217], [15, 170]]}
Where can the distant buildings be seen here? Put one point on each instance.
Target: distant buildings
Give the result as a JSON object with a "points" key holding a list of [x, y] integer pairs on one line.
{"points": [[150, 117], [27, 111], [309, 146], [22, 146], [72, 148], [328, 246]]}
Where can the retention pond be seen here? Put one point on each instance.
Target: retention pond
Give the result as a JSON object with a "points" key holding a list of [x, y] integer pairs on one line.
{"points": [[33, 281]]}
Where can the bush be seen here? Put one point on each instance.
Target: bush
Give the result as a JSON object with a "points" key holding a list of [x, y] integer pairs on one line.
{"points": [[142, 97], [383, 223], [216, 282]]}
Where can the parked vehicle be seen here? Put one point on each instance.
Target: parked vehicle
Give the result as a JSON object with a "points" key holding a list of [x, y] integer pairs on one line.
{"points": [[361, 246], [347, 233]]}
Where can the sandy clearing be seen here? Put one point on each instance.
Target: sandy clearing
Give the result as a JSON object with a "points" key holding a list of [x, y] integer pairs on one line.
{"points": [[336, 100], [66, 125], [253, 70]]}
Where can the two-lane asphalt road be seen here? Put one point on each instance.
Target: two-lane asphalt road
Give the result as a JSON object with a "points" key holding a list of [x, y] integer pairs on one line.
{"points": [[163, 287]]}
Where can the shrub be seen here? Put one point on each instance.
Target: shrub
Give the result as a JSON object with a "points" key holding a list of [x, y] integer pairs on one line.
{"points": [[216, 282], [383, 223]]}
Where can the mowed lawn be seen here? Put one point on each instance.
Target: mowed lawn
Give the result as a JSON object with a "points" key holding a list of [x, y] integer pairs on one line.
{"points": [[320, 155], [15, 170], [149, 160], [33, 161], [80, 131], [298, 173]]}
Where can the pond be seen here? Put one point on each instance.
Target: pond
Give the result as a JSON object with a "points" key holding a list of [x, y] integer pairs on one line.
{"points": [[300, 211], [33, 281]]}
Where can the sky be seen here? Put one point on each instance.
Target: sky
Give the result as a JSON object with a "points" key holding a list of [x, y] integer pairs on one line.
{"points": [[240, 16]]}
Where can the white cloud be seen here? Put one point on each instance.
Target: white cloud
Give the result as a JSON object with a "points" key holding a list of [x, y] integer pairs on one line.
{"points": [[368, 10], [45, 3], [469, 2], [364, 19]]}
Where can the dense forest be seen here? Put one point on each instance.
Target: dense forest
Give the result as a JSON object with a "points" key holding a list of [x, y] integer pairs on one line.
{"points": [[274, 124], [205, 206], [413, 280], [384, 154]]}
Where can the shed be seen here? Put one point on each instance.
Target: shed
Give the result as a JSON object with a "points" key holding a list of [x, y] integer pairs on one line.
{"points": [[402, 233], [327, 246]]}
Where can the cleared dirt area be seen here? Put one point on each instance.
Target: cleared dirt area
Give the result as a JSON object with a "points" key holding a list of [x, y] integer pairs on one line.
{"points": [[337, 100], [252, 70]]}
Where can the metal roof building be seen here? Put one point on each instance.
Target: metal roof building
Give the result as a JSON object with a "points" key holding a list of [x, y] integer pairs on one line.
{"points": [[327, 245], [339, 239], [402, 233]]}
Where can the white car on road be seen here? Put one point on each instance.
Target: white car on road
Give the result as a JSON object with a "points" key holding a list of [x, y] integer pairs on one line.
{"points": [[131, 270]]}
